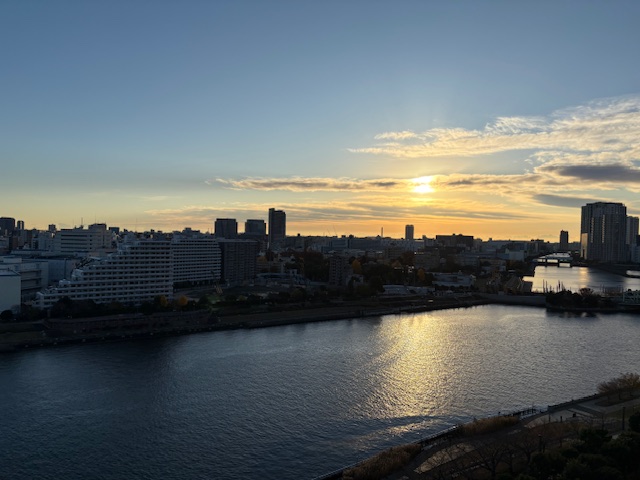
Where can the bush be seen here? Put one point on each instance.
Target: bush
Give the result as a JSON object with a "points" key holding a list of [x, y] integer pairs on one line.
{"points": [[488, 425], [382, 464]]}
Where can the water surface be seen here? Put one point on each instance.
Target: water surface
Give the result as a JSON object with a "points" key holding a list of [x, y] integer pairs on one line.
{"points": [[295, 401]]}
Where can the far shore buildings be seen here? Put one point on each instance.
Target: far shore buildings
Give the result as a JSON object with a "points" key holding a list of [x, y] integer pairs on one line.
{"points": [[108, 265]]}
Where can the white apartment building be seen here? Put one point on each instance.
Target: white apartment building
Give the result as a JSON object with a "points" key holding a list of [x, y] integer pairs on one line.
{"points": [[138, 272], [196, 258]]}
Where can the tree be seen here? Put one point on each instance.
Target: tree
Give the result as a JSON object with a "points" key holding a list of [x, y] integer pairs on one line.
{"points": [[634, 422], [6, 316], [356, 266], [545, 465], [376, 284], [626, 383], [182, 301]]}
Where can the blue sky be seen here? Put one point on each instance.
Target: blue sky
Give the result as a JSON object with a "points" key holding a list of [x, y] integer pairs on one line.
{"points": [[494, 119]]}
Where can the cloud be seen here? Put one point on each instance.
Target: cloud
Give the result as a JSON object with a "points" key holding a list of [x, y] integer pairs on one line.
{"points": [[156, 198], [310, 184], [608, 125], [561, 201], [614, 172]]}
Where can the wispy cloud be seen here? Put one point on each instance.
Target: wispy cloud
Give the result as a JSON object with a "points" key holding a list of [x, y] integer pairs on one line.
{"points": [[608, 125], [301, 184]]}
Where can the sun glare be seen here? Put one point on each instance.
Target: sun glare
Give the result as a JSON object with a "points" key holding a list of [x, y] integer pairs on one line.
{"points": [[422, 185]]}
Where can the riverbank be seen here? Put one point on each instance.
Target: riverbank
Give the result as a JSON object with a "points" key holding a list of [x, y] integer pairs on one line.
{"points": [[129, 327]]}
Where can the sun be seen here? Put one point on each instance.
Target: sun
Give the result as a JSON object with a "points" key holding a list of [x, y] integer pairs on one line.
{"points": [[422, 184]]}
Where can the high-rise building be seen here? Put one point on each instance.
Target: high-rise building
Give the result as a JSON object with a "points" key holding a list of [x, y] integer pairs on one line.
{"points": [[408, 232], [632, 230], [564, 241], [239, 260], [20, 225], [277, 228], [226, 228], [603, 232], [7, 225], [257, 228]]}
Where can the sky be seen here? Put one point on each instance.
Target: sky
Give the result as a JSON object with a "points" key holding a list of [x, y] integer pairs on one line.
{"points": [[497, 119]]}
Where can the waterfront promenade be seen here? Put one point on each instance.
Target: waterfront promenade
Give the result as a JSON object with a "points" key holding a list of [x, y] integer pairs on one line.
{"points": [[448, 453]]}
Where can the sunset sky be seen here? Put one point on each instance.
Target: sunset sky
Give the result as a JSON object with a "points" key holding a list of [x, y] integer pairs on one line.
{"points": [[493, 119]]}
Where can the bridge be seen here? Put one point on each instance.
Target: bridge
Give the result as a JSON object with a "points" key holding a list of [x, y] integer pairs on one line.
{"points": [[557, 259]]}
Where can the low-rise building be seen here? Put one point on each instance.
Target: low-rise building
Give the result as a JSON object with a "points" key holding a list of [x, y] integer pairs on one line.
{"points": [[9, 290], [33, 273]]}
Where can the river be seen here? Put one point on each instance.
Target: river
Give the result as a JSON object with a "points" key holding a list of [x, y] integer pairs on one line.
{"points": [[295, 401]]}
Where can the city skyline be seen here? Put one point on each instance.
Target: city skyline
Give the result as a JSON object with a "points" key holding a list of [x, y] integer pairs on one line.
{"points": [[493, 120]]}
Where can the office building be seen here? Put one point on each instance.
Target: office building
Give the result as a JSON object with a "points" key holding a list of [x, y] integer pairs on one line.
{"points": [[226, 228], [95, 240], [603, 232], [7, 225], [408, 232], [632, 230], [563, 246], [257, 228], [277, 228]]}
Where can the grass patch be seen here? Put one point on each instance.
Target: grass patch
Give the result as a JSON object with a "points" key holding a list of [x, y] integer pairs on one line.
{"points": [[488, 425], [383, 464]]}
